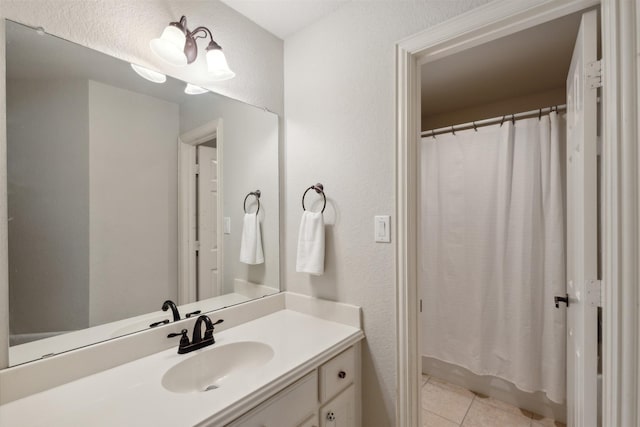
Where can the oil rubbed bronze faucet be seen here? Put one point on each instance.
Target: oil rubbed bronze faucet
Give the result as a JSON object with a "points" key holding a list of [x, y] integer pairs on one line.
{"points": [[168, 304], [198, 341]]}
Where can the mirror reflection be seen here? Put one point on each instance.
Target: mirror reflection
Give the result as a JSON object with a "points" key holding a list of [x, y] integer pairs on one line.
{"points": [[127, 196]]}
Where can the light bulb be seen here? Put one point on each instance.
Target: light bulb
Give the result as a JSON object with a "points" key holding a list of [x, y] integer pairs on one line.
{"points": [[217, 65], [170, 46], [152, 76], [194, 90]]}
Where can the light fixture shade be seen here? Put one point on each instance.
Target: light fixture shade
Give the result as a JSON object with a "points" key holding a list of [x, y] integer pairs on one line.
{"points": [[152, 76], [170, 46], [217, 65], [194, 90]]}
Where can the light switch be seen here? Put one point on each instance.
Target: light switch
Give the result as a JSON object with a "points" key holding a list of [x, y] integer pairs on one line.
{"points": [[382, 228], [227, 225]]}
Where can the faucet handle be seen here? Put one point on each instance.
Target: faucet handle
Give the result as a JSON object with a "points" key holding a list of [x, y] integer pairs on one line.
{"points": [[162, 322], [208, 333], [184, 339], [175, 334], [217, 322]]}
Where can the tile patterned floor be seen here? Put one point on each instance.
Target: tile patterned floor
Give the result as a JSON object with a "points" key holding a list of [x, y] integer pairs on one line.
{"points": [[447, 405]]}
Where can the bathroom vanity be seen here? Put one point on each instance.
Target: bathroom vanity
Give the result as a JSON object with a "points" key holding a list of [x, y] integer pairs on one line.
{"points": [[328, 390], [98, 352], [298, 365]]}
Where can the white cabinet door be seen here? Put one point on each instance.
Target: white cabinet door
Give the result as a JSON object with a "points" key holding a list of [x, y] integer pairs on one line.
{"points": [[341, 411], [312, 421], [288, 408], [337, 374], [582, 313]]}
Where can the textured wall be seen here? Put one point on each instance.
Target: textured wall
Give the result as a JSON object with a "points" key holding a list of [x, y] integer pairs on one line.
{"points": [[339, 110]]}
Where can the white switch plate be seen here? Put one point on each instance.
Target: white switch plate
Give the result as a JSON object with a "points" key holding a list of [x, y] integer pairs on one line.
{"points": [[227, 225], [382, 228]]}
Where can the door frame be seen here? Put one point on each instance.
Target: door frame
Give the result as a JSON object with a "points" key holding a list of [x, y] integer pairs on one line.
{"points": [[187, 143], [621, 232]]}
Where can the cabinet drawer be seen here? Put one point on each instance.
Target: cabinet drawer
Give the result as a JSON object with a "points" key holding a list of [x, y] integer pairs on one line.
{"points": [[337, 374], [288, 408], [341, 411]]}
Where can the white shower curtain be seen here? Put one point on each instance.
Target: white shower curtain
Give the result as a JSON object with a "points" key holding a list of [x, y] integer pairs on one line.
{"points": [[492, 252]]}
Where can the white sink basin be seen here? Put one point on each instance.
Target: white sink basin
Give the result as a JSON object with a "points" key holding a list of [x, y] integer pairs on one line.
{"points": [[211, 368]]}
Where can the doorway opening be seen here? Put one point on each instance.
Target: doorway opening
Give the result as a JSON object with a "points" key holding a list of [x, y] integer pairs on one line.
{"points": [[492, 218], [199, 213], [482, 25]]}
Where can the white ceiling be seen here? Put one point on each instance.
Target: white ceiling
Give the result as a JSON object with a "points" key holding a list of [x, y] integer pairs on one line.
{"points": [[284, 17], [529, 62]]}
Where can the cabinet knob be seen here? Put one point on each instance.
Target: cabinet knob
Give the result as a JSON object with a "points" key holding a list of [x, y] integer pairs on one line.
{"points": [[342, 374]]}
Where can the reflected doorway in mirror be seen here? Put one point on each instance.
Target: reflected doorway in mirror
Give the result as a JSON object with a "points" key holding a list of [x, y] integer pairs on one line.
{"points": [[199, 212]]}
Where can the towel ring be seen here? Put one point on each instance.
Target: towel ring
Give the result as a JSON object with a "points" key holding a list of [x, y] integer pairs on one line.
{"points": [[256, 194], [319, 188]]}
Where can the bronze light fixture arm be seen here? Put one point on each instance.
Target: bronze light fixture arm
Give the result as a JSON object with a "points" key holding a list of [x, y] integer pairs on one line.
{"points": [[197, 33], [178, 46], [190, 47]]}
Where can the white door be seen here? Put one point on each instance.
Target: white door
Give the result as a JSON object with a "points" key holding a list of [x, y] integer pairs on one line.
{"points": [[582, 289], [208, 283]]}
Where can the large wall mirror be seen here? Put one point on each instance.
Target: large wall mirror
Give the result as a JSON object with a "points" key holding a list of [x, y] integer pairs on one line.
{"points": [[124, 194]]}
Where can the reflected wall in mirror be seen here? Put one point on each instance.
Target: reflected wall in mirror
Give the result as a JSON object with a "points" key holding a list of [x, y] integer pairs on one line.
{"points": [[122, 194]]}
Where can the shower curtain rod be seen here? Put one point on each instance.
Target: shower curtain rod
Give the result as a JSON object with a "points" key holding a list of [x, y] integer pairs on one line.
{"points": [[487, 122]]}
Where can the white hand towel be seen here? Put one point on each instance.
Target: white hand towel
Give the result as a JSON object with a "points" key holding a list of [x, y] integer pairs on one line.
{"points": [[251, 243], [311, 244]]}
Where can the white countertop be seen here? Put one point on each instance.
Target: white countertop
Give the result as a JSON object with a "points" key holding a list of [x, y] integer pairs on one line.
{"points": [[132, 394]]}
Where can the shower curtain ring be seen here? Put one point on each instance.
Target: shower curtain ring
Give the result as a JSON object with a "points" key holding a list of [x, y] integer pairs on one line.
{"points": [[540, 114], [475, 127], [453, 131], [433, 134], [502, 121]]}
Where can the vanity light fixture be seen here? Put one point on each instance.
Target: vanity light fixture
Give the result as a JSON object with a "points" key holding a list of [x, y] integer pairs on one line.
{"points": [[152, 76], [194, 90], [177, 46]]}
